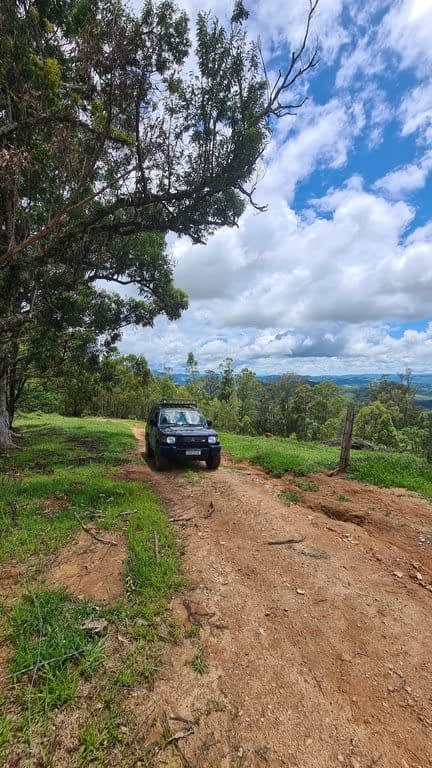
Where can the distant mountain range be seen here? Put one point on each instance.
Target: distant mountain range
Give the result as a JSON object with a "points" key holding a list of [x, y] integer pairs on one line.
{"points": [[363, 379], [343, 380], [354, 384]]}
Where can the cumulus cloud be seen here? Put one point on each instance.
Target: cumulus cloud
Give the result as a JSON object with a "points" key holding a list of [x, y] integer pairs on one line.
{"points": [[323, 136], [321, 286], [406, 179], [408, 29], [323, 292], [356, 349], [415, 112]]}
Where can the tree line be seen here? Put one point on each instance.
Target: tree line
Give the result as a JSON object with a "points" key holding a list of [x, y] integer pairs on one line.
{"points": [[91, 381]]}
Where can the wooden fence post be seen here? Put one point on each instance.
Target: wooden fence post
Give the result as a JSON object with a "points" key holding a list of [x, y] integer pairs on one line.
{"points": [[346, 439]]}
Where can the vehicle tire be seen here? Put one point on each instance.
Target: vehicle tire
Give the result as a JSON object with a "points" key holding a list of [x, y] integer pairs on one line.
{"points": [[213, 461], [149, 452], [160, 461]]}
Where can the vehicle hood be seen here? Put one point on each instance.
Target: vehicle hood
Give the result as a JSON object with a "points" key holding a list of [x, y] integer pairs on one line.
{"points": [[188, 431]]}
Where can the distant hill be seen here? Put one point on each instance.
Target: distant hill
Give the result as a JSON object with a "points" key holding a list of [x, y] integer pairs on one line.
{"points": [[363, 379], [353, 384]]}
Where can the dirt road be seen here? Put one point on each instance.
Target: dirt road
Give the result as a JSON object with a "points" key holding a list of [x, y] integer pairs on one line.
{"points": [[319, 652]]}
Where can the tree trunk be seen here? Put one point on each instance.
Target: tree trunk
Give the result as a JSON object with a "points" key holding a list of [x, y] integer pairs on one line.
{"points": [[15, 384], [5, 433]]}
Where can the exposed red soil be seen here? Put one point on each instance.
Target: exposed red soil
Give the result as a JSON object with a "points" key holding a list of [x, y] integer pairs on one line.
{"points": [[319, 652], [90, 568]]}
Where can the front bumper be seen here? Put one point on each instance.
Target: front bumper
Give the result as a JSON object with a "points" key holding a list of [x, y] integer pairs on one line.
{"points": [[205, 451]]}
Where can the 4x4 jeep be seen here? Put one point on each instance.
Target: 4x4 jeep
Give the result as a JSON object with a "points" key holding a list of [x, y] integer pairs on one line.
{"points": [[179, 429]]}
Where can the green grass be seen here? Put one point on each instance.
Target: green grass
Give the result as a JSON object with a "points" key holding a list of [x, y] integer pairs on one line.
{"points": [[306, 485], [289, 497], [4, 731], [199, 661], [393, 470], [77, 462], [97, 734], [192, 476], [50, 650], [47, 467], [281, 455]]}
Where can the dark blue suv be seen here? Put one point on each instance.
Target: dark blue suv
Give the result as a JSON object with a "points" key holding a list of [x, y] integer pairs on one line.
{"points": [[179, 429]]}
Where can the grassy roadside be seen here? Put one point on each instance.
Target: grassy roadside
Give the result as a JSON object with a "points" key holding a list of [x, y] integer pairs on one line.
{"points": [[281, 455], [68, 469]]}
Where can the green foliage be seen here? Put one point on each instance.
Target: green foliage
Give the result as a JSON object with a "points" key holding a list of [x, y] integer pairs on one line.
{"points": [[246, 426], [153, 578], [227, 416], [413, 439], [398, 398], [226, 387], [111, 140], [191, 370], [248, 390], [102, 732], [40, 396], [209, 384], [374, 423]]}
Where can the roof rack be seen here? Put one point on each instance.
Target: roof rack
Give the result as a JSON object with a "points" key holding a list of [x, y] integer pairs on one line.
{"points": [[178, 403]]}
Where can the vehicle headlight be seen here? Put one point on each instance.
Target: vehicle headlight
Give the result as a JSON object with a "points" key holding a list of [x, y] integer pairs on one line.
{"points": [[170, 439], [212, 439]]}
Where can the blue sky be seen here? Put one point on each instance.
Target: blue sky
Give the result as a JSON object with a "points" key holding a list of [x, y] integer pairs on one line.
{"points": [[336, 276]]}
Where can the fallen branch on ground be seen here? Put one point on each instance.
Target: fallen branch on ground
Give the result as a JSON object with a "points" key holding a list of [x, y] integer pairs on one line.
{"points": [[93, 534], [83, 459], [285, 541], [173, 740], [156, 546], [179, 735], [210, 510], [40, 664]]}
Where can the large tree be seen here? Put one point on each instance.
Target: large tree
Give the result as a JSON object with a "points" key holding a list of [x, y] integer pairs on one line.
{"points": [[107, 138]]}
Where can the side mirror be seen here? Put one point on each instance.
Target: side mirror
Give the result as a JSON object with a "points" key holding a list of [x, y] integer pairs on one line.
{"points": [[209, 423], [152, 422]]}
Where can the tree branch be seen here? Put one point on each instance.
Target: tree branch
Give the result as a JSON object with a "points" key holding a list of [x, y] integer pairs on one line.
{"points": [[11, 253]]}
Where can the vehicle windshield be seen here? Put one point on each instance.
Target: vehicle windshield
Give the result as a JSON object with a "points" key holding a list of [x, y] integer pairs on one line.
{"points": [[181, 417]]}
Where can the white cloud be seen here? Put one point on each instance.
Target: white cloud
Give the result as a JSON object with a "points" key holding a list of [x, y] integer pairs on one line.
{"points": [[407, 179], [281, 25], [318, 289], [415, 112], [322, 136], [323, 291], [408, 29], [359, 348]]}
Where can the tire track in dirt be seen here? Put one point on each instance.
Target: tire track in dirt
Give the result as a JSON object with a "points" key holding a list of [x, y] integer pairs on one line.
{"points": [[319, 656]]}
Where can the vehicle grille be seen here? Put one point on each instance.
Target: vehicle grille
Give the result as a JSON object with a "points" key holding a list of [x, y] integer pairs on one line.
{"points": [[187, 441]]}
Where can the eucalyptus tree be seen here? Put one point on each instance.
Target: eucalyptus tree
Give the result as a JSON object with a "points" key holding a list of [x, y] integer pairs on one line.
{"points": [[108, 142]]}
